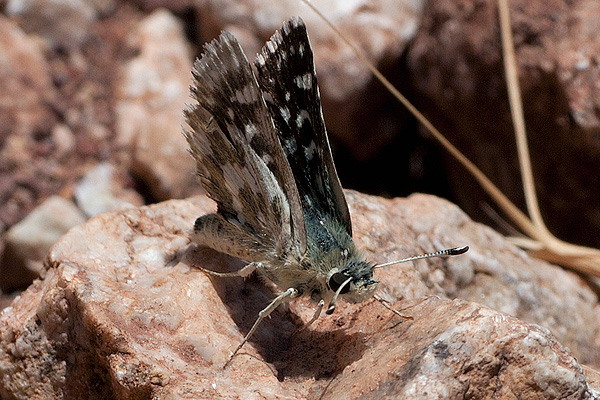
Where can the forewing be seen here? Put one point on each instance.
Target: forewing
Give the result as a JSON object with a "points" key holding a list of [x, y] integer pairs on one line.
{"points": [[239, 159], [286, 74]]}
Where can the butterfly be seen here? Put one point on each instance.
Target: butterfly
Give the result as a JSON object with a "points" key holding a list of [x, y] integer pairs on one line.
{"points": [[260, 144]]}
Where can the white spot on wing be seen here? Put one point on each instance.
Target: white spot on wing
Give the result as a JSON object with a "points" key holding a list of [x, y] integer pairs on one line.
{"points": [[285, 113], [301, 117], [304, 81], [286, 29], [309, 151], [308, 200], [250, 131], [290, 144]]}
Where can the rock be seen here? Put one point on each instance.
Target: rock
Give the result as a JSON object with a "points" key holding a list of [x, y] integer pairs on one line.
{"points": [[154, 89], [123, 313], [59, 101], [176, 6], [28, 242], [506, 279], [62, 23], [457, 71], [359, 114], [25, 117], [456, 350], [102, 189], [63, 138]]}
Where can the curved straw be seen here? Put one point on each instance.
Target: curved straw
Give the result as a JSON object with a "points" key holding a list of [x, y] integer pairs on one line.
{"points": [[516, 109]]}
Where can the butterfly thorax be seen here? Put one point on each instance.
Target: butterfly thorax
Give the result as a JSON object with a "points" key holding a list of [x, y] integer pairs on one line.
{"points": [[331, 258]]}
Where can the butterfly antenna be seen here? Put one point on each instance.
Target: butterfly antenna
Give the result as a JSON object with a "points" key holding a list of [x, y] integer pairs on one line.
{"points": [[331, 307], [455, 251]]}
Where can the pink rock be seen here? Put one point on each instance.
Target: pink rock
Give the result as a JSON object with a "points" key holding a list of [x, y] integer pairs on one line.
{"points": [[123, 313], [104, 188], [24, 115], [153, 91], [172, 5], [61, 23], [28, 242]]}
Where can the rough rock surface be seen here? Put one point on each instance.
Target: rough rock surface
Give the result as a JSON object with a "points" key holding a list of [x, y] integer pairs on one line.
{"points": [[456, 68], [122, 313]]}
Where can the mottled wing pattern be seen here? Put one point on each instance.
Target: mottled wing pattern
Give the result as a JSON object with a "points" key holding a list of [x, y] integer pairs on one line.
{"points": [[286, 74], [239, 159]]}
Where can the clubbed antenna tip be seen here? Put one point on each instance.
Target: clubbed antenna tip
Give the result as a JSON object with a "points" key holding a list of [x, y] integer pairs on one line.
{"points": [[454, 251]]}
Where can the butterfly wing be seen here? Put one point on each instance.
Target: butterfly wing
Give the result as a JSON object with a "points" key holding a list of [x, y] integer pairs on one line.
{"points": [[240, 161], [286, 75]]}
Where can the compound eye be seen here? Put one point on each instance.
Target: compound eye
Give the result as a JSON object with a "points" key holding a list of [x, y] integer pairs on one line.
{"points": [[336, 281]]}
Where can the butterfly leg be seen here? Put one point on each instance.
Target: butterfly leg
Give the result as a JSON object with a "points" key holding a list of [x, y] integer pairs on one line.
{"points": [[288, 294], [315, 316], [386, 304], [247, 270]]}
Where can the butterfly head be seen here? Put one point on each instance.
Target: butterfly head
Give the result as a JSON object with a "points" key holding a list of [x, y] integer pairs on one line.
{"points": [[354, 282]]}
